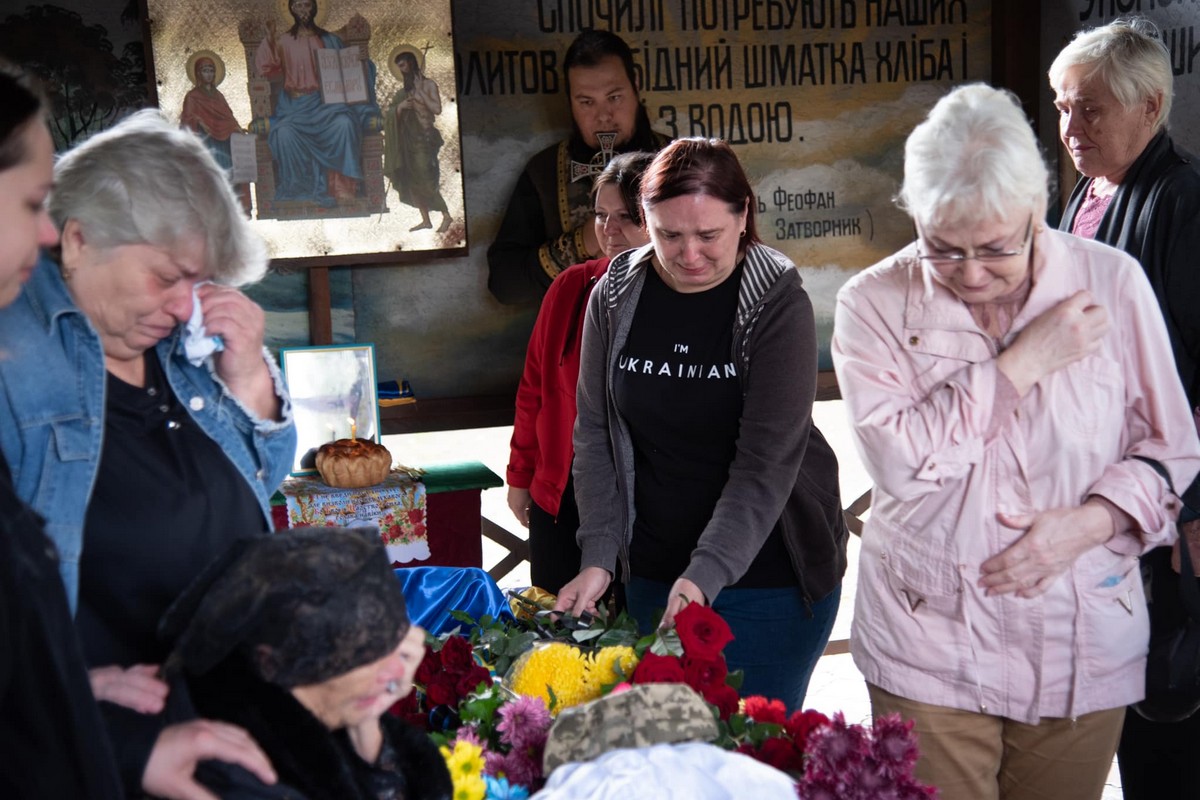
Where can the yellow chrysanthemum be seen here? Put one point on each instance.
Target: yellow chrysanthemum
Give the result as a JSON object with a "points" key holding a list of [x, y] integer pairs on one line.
{"points": [[470, 789], [604, 667], [465, 764], [558, 667]]}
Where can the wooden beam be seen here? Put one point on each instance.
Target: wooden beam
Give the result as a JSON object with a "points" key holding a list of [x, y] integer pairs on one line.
{"points": [[1016, 42], [827, 386], [447, 414], [320, 307]]}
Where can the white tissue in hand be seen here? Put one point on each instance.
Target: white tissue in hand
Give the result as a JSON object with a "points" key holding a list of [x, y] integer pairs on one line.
{"points": [[198, 345]]}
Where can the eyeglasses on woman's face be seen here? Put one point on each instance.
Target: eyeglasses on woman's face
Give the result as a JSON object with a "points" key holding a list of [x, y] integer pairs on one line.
{"points": [[986, 253]]}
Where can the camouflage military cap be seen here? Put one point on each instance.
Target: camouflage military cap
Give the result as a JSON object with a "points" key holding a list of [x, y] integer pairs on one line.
{"points": [[649, 713]]}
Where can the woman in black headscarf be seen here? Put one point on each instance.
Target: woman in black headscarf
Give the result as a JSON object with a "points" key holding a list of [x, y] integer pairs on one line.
{"points": [[303, 639]]}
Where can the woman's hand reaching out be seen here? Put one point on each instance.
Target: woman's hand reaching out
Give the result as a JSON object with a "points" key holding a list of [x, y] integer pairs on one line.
{"points": [[582, 592], [683, 591]]}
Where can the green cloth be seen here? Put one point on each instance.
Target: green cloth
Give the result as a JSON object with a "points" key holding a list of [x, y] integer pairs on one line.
{"points": [[444, 478], [455, 477]]}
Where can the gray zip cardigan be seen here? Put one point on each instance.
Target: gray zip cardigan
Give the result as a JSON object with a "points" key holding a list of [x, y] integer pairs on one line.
{"points": [[783, 469]]}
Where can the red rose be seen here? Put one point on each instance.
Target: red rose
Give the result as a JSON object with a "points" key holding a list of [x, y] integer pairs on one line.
{"points": [[781, 754], [475, 676], [802, 723], [658, 669], [406, 708], [702, 632], [760, 709], [405, 705], [442, 690], [416, 515], [430, 665], [724, 697], [456, 655], [419, 529], [701, 673]]}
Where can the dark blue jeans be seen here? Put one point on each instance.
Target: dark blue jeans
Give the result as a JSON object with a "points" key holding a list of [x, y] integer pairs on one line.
{"points": [[776, 643]]}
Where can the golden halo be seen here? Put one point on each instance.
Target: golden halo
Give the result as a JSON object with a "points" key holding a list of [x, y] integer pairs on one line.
{"points": [[318, 18], [404, 48], [217, 62]]}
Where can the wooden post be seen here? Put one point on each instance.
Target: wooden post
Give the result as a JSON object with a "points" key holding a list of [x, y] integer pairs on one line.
{"points": [[320, 312]]}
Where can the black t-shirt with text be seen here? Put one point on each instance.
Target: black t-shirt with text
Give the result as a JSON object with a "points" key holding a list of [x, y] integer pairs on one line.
{"points": [[677, 389]]}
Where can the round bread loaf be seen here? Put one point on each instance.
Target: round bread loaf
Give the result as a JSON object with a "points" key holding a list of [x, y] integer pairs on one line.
{"points": [[353, 463]]}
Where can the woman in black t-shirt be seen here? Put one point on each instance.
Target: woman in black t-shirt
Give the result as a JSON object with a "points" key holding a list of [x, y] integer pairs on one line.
{"points": [[697, 463]]}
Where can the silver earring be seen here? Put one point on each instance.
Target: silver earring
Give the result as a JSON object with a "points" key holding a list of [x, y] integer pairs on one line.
{"points": [[393, 687]]}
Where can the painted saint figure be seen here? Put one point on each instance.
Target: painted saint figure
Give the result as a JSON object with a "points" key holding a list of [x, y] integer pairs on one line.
{"points": [[412, 141], [316, 145], [205, 109]]}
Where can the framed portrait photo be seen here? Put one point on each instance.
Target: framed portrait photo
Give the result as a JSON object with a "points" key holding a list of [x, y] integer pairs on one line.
{"points": [[337, 121], [333, 397]]}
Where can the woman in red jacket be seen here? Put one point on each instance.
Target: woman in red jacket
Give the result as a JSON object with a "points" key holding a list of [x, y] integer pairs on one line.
{"points": [[540, 492]]}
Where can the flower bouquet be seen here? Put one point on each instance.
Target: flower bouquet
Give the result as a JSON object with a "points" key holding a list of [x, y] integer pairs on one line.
{"points": [[490, 697]]}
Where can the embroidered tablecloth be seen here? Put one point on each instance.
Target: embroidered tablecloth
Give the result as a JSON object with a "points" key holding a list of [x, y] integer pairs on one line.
{"points": [[396, 507]]}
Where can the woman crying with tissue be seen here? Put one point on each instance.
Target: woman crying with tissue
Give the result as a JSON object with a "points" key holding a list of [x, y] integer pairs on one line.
{"points": [[138, 409]]}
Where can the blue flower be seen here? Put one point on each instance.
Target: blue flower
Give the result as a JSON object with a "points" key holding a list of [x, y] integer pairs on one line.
{"points": [[499, 789]]}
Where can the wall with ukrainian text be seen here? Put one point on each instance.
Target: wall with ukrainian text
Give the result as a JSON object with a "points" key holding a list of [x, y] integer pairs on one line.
{"points": [[816, 97]]}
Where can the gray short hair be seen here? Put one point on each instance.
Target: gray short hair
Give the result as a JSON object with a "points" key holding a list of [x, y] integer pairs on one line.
{"points": [[974, 158], [1128, 56], [145, 181]]}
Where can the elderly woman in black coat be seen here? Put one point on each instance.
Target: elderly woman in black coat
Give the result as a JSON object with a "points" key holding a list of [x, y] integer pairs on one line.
{"points": [[303, 639], [1140, 193]]}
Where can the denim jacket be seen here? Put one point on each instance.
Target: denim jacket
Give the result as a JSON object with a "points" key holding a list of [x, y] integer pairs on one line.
{"points": [[52, 400]]}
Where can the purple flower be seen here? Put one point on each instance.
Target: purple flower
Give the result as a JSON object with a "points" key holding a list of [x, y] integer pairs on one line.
{"points": [[851, 762], [823, 788], [518, 768], [524, 723], [837, 748], [468, 734], [895, 745], [494, 764]]}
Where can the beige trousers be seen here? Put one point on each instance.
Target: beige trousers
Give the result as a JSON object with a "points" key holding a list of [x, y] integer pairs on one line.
{"points": [[972, 756]]}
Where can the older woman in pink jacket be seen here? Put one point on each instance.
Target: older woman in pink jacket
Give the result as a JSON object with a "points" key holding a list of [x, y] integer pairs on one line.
{"points": [[1004, 381]]}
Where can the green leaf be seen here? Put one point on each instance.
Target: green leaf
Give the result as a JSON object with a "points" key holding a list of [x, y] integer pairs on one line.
{"points": [[492, 638], [518, 644], [553, 698], [761, 731], [614, 637], [670, 638], [643, 644], [586, 635], [734, 679], [462, 616]]}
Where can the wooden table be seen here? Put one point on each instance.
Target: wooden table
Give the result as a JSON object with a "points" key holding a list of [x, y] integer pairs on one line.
{"points": [[432, 522]]}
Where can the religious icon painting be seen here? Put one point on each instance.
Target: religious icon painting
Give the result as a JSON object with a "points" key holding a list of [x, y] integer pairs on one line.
{"points": [[338, 122]]}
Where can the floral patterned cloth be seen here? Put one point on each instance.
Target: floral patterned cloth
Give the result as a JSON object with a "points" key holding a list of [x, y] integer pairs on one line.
{"points": [[396, 507]]}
